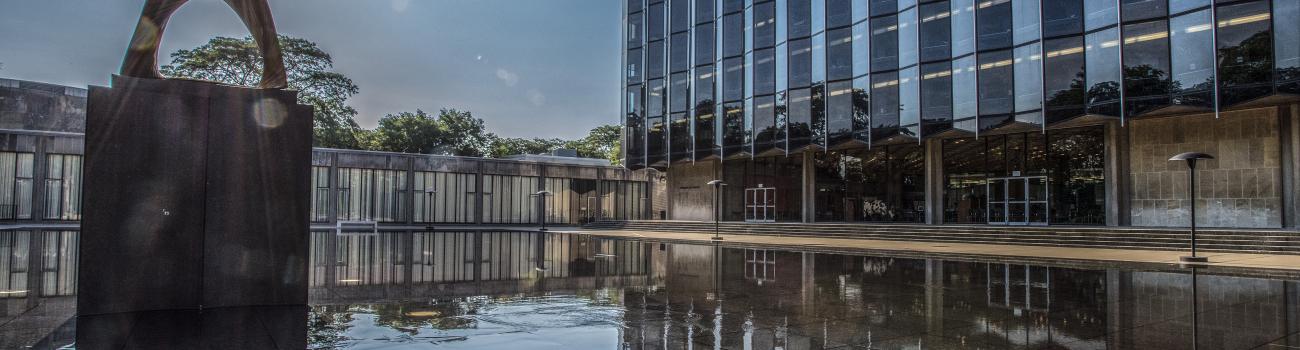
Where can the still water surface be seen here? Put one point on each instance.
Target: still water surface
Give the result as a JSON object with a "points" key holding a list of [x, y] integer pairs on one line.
{"points": [[528, 290]]}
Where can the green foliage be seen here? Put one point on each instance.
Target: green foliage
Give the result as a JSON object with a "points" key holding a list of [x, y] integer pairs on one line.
{"points": [[237, 61], [408, 133], [463, 134]]}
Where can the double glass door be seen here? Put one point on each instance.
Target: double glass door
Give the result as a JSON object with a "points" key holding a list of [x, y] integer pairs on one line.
{"points": [[760, 204], [1019, 200]]}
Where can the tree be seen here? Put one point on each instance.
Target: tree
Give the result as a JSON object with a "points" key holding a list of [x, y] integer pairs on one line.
{"points": [[462, 134], [408, 133], [602, 142], [237, 61], [506, 146]]}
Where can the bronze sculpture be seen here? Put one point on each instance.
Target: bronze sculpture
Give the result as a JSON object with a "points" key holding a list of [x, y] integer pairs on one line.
{"points": [[142, 56]]}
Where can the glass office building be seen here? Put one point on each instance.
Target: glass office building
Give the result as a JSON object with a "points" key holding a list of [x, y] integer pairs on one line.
{"points": [[966, 111]]}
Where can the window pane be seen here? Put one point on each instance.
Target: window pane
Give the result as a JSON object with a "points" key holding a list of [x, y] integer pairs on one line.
{"points": [[655, 98], [1064, 79], [1192, 59], [654, 60], [1246, 52], [765, 25], [633, 69], [729, 6], [1146, 66], [733, 35], [635, 5], [995, 88], [733, 79], [993, 24], [1137, 10], [839, 54], [963, 27], [936, 31], [1178, 6], [861, 49], [861, 108], [680, 51], [1099, 13], [704, 10], [1025, 20], [909, 101], [1287, 47], [704, 45], [800, 63], [635, 23], [965, 102], [1029, 80], [799, 124], [764, 72], [839, 13], [680, 16], [882, 7], [680, 133], [936, 95], [1102, 54], [839, 111], [884, 105], [1062, 17], [907, 38], [764, 122], [884, 43], [819, 58], [679, 96], [733, 136], [860, 10], [655, 22], [800, 24], [705, 119]]}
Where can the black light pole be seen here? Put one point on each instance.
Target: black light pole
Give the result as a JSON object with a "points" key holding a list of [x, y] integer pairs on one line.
{"points": [[428, 205], [717, 209], [541, 202], [1191, 158]]}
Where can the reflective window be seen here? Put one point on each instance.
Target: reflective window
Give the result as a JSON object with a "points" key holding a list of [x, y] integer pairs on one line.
{"points": [[818, 114], [1245, 51], [1137, 10], [839, 13], [634, 27], [655, 22], [1064, 78], [839, 54], [704, 45], [678, 92], [733, 79], [1103, 73], [733, 127], [680, 134], [680, 18], [704, 112], [764, 122], [818, 16], [993, 24], [861, 108], [861, 49], [704, 10], [444, 197], [507, 199], [860, 11], [655, 98], [1025, 20], [1099, 14], [680, 52], [884, 43], [907, 38], [372, 195], [936, 94], [963, 27], [882, 184], [765, 25], [635, 5], [1146, 66], [1062, 17], [1287, 47], [882, 7], [1029, 83], [995, 83], [800, 63], [1179, 6], [63, 186], [965, 103], [654, 60], [839, 111], [782, 68], [819, 58], [799, 124], [909, 101], [733, 35], [633, 69], [884, 105], [764, 72], [729, 6], [800, 23], [936, 31], [1192, 59]]}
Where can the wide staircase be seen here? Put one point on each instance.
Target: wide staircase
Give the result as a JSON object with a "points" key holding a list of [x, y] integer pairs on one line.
{"points": [[1216, 240]]}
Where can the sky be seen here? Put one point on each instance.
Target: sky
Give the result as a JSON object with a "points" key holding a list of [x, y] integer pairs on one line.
{"points": [[529, 68]]}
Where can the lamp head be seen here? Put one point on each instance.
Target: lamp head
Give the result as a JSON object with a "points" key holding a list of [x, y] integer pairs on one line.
{"points": [[717, 183], [543, 193], [1191, 156]]}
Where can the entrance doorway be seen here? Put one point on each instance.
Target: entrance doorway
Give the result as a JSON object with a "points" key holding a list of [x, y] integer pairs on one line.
{"points": [[760, 204], [1018, 200]]}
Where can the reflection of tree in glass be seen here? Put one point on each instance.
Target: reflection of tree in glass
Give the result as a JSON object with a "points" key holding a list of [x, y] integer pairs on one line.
{"points": [[326, 325], [1246, 66]]}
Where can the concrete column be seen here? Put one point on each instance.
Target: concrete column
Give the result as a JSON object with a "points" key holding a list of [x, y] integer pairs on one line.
{"points": [[1117, 175], [934, 181], [809, 191], [410, 192], [1289, 132], [332, 209], [808, 279], [478, 197], [934, 296], [39, 174]]}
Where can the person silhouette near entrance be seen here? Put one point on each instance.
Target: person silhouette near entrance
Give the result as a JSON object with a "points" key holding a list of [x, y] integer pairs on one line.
{"points": [[142, 55]]}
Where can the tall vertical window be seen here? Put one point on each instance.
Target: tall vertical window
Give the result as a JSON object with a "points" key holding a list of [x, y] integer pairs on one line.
{"points": [[509, 199], [839, 54], [884, 43], [680, 16], [1146, 66], [16, 185], [1103, 73], [679, 49], [1099, 14], [1245, 45], [654, 60], [799, 122], [656, 102], [680, 127], [1192, 59], [1028, 71], [936, 31], [1286, 51], [965, 101], [1024, 21], [765, 131], [839, 112], [884, 105], [706, 143], [936, 97], [320, 193], [1064, 78], [996, 88], [655, 22], [371, 195], [63, 187], [993, 24], [444, 197], [909, 101], [963, 27], [1062, 17]]}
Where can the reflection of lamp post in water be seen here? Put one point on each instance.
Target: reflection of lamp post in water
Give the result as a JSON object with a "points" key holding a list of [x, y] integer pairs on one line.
{"points": [[1191, 158], [717, 206], [1196, 319], [541, 202]]}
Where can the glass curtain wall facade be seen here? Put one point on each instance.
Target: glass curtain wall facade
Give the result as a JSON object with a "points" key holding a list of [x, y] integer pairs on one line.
{"points": [[16, 185], [63, 187]]}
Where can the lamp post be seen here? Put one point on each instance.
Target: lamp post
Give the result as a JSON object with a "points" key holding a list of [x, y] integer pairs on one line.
{"points": [[1191, 158], [428, 205], [541, 202], [717, 206]]}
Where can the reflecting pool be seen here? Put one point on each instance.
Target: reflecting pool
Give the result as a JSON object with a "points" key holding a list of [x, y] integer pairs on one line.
{"points": [[529, 290]]}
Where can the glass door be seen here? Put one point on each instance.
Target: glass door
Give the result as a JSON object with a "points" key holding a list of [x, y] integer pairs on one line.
{"points": [[760, 204], [1020, 200]]}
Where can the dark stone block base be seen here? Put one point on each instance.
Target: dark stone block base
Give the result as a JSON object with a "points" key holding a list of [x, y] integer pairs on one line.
{"points": [[196, 196]]}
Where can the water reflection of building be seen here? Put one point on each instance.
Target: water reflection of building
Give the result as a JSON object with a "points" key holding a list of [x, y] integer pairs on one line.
{"points": [[38, 284], [397, 265]]}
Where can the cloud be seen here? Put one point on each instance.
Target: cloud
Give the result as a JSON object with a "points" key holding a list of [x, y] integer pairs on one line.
{"points": [[536, 97], [400, 5], [507, 77]]}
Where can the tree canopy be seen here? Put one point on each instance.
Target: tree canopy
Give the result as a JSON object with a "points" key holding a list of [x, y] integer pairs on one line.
{"points": [[237, 61]]}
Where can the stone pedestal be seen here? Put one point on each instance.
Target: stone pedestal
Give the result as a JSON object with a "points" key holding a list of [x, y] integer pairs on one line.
{"points": [[196, 197]]}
